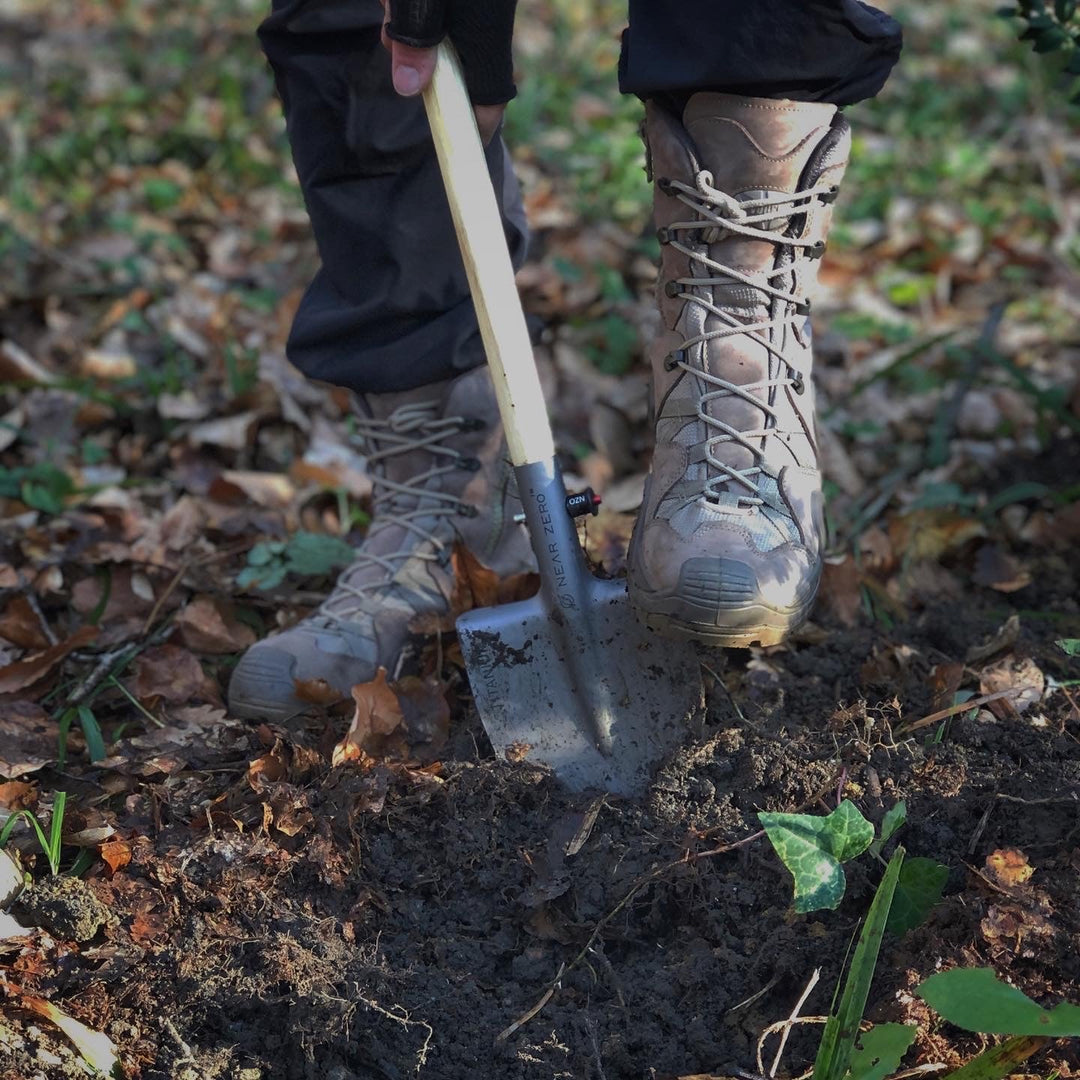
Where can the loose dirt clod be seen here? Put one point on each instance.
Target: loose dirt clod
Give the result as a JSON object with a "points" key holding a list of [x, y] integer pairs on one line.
{"points": [[65, 907]]}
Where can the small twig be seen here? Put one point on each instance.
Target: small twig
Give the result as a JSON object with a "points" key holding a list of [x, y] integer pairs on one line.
{"points": [[920, 1070], [973, 843], [27, 590], [526, 1017], [403, 1018], [104, 666], [590, 1027], [964, 706], [790, 1022], [185, 566], [189, 1055], [773, 1028], [754, 997], [1037, 802], [727, 692]]}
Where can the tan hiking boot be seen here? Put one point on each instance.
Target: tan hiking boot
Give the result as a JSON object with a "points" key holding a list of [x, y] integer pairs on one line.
{"points": [[727, 547], [440, 472]]}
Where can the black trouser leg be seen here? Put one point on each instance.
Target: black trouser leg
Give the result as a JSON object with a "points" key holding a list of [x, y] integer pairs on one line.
{"points": [[839, 51], [390, 307]]}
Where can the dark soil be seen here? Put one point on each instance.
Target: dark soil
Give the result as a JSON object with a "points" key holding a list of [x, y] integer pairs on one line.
{"points": [[398, 941]]}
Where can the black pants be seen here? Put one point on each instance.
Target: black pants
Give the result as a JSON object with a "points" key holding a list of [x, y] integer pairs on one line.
{"points": [[390, 307]]}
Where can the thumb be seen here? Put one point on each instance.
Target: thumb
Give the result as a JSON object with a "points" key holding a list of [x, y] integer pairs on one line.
{"points": [[412, 68]]}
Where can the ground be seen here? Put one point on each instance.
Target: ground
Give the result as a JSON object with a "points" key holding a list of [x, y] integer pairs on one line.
{"points": [[242, 907]]}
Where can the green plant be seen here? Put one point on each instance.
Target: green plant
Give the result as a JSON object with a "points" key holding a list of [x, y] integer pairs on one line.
{"points": [[1070, 647], [971, 998], [1051, 27], [814, 849], [95, 741], [50, 844], [304, 554], [42, 486], [843, 1052]]}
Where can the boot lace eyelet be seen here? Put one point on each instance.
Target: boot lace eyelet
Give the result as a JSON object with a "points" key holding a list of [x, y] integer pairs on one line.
{"points": [[470, 511], [830, 195], [663, 235], [470, 464], [672, 289], [816, 249], [664, 184], [672, 360], [802, 307], [473, 423], [799, 385]]}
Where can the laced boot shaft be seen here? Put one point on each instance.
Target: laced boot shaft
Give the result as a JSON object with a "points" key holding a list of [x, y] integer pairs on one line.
{"points": [[727, 549], [439, 473]]}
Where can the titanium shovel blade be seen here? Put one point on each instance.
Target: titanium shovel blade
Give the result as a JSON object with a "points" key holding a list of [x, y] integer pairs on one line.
{"points": [[570, 679], [607, 731]]}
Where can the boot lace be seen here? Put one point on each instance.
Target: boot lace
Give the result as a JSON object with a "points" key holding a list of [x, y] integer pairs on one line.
{"points": [[755, 219], [409, 505]]}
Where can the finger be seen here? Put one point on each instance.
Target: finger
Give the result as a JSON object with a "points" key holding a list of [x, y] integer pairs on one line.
{"points": [[411, 68], [488, 119]]}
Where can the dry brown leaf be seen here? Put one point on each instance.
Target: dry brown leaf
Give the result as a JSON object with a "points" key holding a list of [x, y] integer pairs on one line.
{"points": [[999, 570], [9, 576], [1013, 672], [378, 714], [475, 585], [945, 680], [127, 595], [316, 692], [17, 795], [1006, 636], [227, 432], [273, 490], [27, 739], [517, 752], [208, 625], [168, 673], [841, 594], [21, 626], [268, 769], [930, 534], [1009, 867], [116, 854], [426, 715], [105, 364], [31, 670]]}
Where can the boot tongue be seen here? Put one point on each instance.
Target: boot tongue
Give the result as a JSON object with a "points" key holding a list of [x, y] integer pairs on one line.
{"points": [[755, 144], [753, 147]]}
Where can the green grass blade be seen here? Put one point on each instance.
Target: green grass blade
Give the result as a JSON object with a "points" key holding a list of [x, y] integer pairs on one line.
{"points": [[842, 1029], [95, 741], [1000, 1061], [9, 825], [56, 828]]}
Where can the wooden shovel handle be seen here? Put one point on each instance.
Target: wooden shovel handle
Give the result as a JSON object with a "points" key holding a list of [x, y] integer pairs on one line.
{"points": [[479, 228]]}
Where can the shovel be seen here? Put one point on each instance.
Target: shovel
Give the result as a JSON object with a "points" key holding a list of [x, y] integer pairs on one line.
{"points": [[569, 679]]}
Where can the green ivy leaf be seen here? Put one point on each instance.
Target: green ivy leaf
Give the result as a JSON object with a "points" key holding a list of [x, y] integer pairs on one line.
{"points": [[315, 555], [1069, 646], [917, 891], [813, 848], [894, 818], [878, 1051], [976, 1000]]}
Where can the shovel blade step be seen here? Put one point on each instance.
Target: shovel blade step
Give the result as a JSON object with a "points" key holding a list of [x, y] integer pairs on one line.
{"points": [[604, 727]]}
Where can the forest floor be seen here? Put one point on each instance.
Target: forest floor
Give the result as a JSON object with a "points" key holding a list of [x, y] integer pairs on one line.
{"points": [[170, 490]]}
